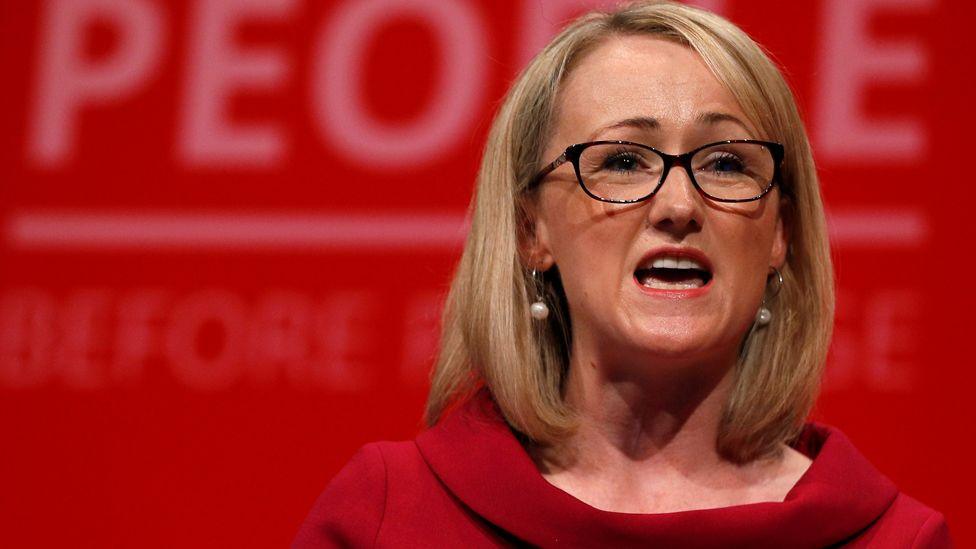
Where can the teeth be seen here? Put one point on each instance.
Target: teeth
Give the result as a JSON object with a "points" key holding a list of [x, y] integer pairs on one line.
{"points": [[662, 285], [676, 263]]}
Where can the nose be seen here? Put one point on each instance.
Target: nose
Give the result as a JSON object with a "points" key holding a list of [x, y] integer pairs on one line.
{"points": [[677, 207]]}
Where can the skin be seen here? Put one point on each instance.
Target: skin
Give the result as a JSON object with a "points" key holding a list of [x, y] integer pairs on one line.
{"points": [[649, 374]]}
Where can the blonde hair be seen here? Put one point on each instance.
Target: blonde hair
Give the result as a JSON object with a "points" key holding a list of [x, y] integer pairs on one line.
{"points": [[488, 338]]}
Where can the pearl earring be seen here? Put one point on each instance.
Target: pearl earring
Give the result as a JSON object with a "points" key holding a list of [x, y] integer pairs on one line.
{"points": [[764, 316], [539, 310]]}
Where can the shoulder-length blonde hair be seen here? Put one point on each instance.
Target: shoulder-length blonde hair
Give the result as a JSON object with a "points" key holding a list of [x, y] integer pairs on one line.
{"points": [[488, 337]]}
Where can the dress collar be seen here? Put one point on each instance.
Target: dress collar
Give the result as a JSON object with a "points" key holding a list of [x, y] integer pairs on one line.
{"points": [[477, 457]]}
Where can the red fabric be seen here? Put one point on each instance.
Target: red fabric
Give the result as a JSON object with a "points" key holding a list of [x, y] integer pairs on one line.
{"points": [[468, 482]]}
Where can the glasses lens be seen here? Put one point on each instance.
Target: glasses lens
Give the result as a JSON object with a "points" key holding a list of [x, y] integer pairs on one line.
{"points": [[620, 172], [734, 171]]}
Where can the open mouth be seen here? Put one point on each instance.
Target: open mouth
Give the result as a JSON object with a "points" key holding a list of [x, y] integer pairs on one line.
{"points": [[672, 273]]}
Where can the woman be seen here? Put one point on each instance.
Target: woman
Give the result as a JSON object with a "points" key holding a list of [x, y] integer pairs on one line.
{"points": [[636, 331]]}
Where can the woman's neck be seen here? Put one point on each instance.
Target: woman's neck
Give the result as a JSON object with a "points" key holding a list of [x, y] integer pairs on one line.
{"points": [[647, 443], [669, 416]]}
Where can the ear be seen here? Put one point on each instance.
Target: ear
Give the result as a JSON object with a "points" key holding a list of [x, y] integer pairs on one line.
{"points": [[533, 236], [781, 240]]}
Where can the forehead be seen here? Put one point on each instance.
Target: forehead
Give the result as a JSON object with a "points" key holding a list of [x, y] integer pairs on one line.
{"points": [[640, 76]]}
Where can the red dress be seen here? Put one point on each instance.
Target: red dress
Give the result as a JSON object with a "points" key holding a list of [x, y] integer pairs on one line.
{"points": [[468, 482]]}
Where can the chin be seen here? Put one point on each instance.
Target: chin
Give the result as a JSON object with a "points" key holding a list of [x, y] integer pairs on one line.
{"points": [[679, 344]]}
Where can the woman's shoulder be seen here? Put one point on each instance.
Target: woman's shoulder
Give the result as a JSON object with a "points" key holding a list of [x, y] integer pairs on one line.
{"points": [[909, 519], [350, 509], [375, 496], [902, 519], [370, 467]]}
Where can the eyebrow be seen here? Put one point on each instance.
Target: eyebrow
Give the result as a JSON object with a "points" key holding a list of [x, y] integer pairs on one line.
{"points": [[716, 117], [650, 123], [638, 122]]}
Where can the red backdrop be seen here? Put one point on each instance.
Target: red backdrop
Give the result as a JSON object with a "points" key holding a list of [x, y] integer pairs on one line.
{"points": [[227, 227]]}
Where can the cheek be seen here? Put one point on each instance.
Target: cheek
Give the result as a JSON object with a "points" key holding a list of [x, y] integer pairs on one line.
{"points": [[589, 245], [748, 252]]}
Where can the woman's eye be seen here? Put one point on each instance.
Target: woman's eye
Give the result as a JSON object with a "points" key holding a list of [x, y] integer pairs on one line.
{"points": [[727, 164], [621, 163]]}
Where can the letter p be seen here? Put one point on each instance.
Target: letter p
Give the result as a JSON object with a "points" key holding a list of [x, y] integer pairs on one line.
{"points": [[67, 80]]}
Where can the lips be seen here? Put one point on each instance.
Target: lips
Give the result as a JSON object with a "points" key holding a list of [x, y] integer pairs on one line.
{"points": [[674, 269]]}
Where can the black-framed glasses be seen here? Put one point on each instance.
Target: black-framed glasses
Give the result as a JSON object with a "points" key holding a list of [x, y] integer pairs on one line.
{"points": [[623, 172]]}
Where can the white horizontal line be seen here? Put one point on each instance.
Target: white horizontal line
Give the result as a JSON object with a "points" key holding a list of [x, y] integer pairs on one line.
{"points": [[175, 231], [96, 230], [882, 228]]}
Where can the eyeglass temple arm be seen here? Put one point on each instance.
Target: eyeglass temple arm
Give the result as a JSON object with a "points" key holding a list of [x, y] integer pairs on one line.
{"points": [[559, 161]]}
